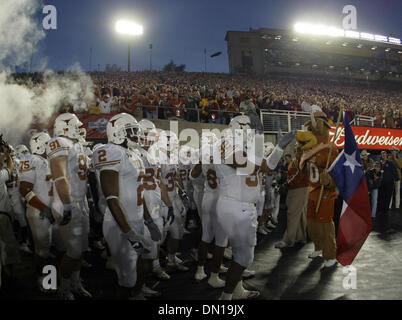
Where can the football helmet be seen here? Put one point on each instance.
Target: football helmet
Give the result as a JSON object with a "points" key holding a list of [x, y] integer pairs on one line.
{"points": [[239, 126], [38, 142], [148, 132], [68, 125], [21, 150], [123, 127]]}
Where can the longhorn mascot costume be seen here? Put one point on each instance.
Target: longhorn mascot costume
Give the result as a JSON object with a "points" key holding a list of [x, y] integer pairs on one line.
{"points": [[316, 148]]}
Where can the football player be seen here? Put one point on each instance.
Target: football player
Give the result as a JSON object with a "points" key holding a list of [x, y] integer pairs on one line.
{"points": [[68, 166], [168, 145], [36, 188], [16, 202], [239, 192], [154, 192], [211, 229], [121, 178]]}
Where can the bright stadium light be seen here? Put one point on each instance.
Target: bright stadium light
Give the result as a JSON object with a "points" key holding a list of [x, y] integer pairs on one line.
{"points": [[131, 29], [318, 30], [128, 27], [352, 34], [394, 40], [380, 38], [367, 36]]}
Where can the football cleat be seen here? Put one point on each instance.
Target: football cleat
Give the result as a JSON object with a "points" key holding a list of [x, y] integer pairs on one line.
{"points": [[200, 274], [271, 225], [79, 290], [178, 260], [228, 253], [330, 263], [139, 296], [216, 282], [262, 230], [248, 273], [160, 274], [240, 293], [281, 245], [315, 254], [98, 245], [223, 269], [148, 292], [177, 266]]}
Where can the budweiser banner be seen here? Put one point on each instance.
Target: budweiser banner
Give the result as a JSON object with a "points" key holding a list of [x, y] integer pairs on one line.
{"points": [[369, 137], [95, 124]]}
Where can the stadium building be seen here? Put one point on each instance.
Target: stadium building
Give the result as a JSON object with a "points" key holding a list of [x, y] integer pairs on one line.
{"points": [[315, 50]]}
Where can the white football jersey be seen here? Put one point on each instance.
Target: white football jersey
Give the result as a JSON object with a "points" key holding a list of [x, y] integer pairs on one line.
{"points": [[36, 170], [168, 175], [183, 172], [131, 170], [77, 166], [198, 183], [152, 191], [240, 187], [211, 181]]}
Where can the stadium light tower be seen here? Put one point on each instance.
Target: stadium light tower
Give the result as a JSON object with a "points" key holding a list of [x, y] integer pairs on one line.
{"points": [[130, 29]]}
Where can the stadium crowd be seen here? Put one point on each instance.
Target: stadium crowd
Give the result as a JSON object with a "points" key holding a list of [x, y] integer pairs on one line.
{"points": [[216, 98]]}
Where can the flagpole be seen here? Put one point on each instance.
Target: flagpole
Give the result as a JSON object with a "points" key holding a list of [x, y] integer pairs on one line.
{"points": [[330, 151]]}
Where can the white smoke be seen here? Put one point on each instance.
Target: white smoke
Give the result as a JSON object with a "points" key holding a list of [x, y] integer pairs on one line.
{"points": [[19, 30], [21, 103]]}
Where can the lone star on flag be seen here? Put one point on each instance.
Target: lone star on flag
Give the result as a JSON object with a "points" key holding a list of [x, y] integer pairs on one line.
{"points": [[351, 161]]}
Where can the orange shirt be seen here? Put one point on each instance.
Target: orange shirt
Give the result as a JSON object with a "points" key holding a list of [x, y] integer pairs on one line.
{"points": [[315, 166], [296, 179]]}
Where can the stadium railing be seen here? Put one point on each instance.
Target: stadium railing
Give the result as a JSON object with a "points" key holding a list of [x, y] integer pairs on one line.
{"points": [[190, 114], [292, 120]]}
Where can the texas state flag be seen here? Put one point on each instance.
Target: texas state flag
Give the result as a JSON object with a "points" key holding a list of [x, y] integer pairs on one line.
{"points": [[355, 221]]}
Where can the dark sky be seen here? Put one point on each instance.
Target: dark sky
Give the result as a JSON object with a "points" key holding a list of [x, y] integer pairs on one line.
{"points": [[181, 29]]}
